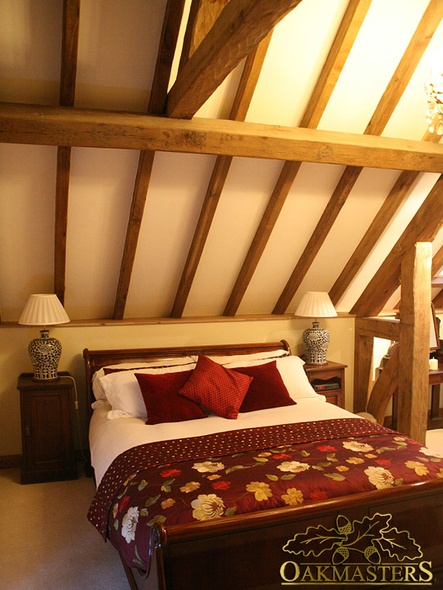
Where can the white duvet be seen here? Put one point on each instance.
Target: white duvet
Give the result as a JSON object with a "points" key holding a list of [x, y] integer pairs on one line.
{"points": [[109, 438]]}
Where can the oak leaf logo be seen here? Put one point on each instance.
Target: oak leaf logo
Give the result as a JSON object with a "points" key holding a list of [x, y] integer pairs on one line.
{"points": [[369, 537]]}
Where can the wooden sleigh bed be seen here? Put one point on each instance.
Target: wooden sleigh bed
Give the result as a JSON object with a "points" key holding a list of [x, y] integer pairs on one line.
{"points": [[289, 526]]}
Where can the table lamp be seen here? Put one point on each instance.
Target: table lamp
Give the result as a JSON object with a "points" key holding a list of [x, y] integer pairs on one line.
{"points": [[315, 304], [44, 310]]}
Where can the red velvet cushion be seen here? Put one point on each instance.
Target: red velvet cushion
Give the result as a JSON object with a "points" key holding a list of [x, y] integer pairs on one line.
{"points": [[267, 389], [218, 389], [163, 404]]}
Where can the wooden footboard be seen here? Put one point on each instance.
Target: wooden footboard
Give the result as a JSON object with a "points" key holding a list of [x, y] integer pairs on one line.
{"points": [[380, 539]]}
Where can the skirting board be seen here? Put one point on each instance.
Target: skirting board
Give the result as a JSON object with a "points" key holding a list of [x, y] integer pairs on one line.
{"points": [[10, 461]]}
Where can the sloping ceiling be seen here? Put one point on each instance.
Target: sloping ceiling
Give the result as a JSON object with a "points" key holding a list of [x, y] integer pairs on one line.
{"points": [[178, 159]]}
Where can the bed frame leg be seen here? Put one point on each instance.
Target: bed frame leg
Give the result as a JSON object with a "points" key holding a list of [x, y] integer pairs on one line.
{"points": [[129, 575]]}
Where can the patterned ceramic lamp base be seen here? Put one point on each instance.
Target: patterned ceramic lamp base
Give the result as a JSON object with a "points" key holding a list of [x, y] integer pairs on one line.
{"points": [[316, 342], [45, 354]]}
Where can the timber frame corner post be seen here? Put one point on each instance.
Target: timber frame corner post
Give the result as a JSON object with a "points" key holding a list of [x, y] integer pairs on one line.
{"points": [[409, 371], [414, 348], [365, 400], [363, 358]]}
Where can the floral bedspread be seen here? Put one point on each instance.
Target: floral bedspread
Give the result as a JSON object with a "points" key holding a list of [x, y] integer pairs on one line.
{"points": [[225, 474]]}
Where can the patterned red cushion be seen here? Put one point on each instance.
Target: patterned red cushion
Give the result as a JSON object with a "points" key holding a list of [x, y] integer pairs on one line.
{"points": [[216, 388], [163, 404], [267, 389]]}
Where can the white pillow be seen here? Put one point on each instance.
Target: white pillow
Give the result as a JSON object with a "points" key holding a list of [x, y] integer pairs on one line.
{"points": [[293, 375], [157, 363], [123, 391], [295, 378], [246, 359]]}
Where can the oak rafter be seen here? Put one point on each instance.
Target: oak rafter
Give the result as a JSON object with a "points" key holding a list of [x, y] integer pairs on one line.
{"points": [[68, 75], [340, 49], [386, 106], [245, 91], [238, 30], [423, 227], [157, 102]]}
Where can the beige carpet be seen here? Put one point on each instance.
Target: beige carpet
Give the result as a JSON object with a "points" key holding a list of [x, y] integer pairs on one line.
{"points": [[46, 541]]}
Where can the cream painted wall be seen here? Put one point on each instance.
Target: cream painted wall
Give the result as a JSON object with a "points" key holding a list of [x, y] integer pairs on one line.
{"points": [[14, 357]]}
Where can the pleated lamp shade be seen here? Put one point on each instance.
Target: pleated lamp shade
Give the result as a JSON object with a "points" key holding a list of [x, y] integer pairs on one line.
{"points": [[44, 309], [316, 304]]}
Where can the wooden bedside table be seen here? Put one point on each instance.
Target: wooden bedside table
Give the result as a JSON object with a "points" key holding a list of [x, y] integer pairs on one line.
{"points": [[47, 418], [329, 380]]}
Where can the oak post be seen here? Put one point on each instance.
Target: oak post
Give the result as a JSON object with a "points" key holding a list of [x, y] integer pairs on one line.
{"points": [[363, 352], [413, 378]]}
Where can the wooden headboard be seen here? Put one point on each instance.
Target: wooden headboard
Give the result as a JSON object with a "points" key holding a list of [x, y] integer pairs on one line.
{"points": [[96, 359]]}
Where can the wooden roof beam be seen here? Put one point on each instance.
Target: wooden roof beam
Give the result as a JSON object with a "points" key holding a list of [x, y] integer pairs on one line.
{"points": [[346, 35], [423, 228], [437, 265], [242, 100], [386, 106], [68, 74], [437, 262], [318, 237], [426, 28], [348, 30], [237, 31], [202, 16], [49, 125], [390, 205], [157, 102], [167, 46]]}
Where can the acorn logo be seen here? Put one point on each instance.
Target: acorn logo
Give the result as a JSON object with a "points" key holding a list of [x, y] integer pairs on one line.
{"points": [[360, 552]]}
